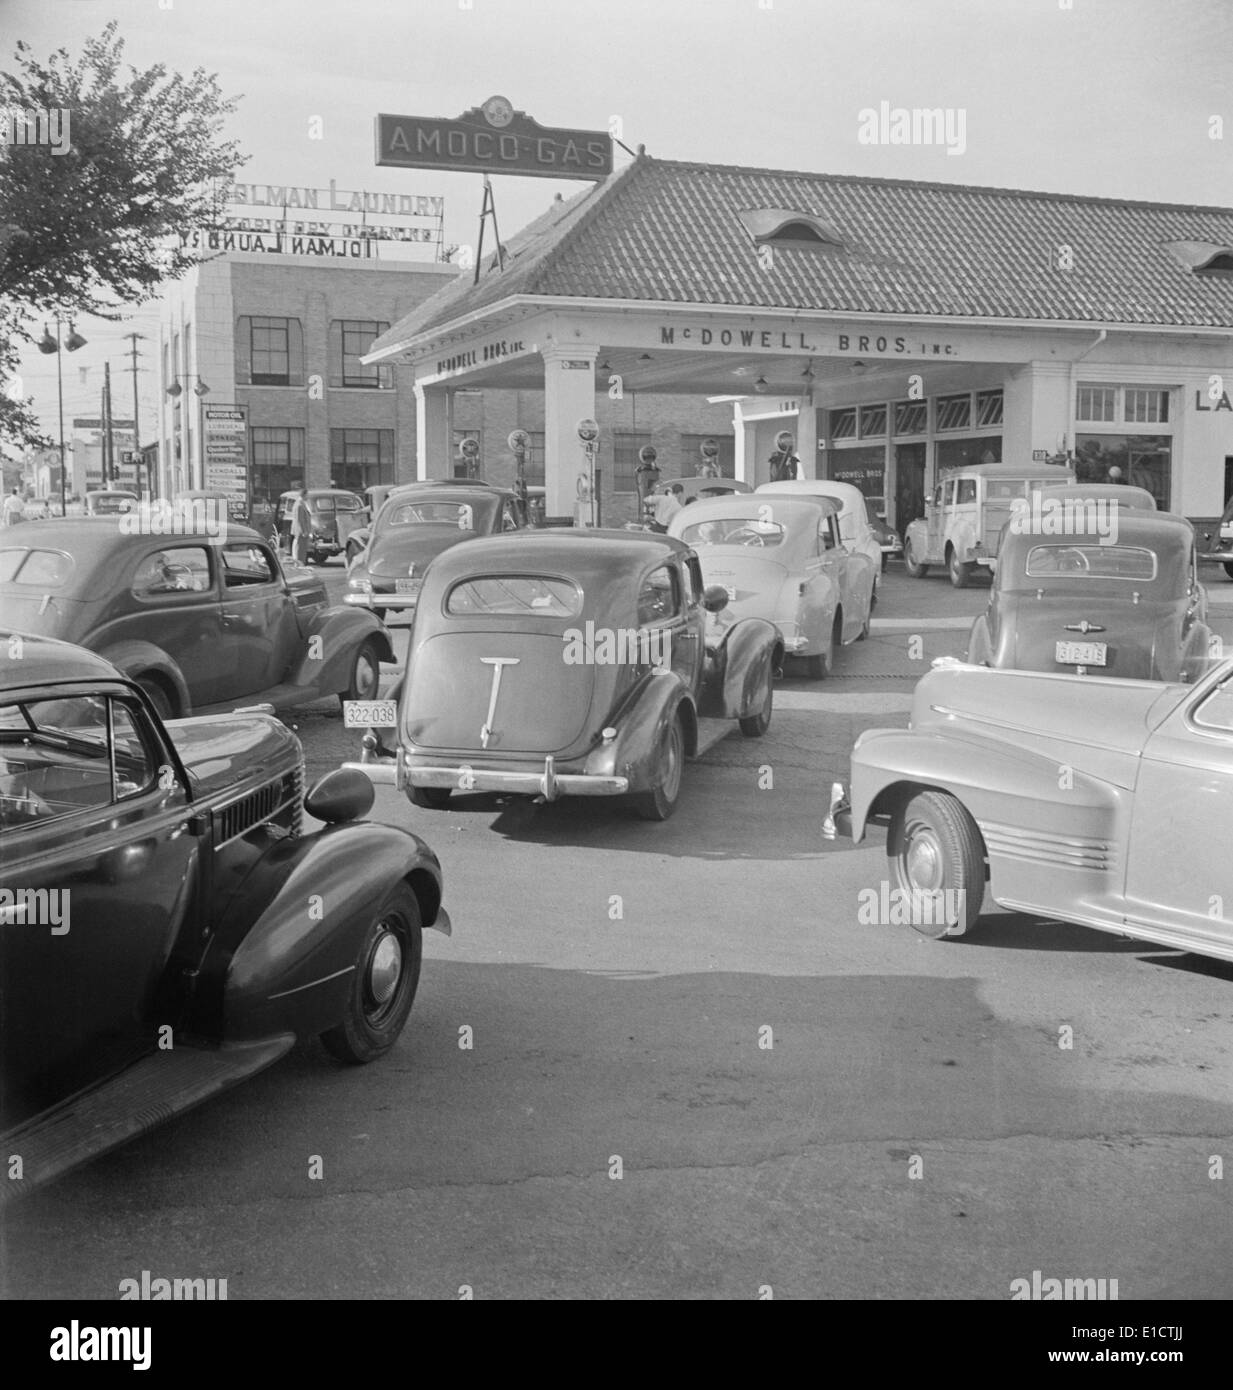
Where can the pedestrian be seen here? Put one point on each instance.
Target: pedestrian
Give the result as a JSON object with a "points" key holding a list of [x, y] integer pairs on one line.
{"points": [[14, 508], [301, 525], [667, 506]]}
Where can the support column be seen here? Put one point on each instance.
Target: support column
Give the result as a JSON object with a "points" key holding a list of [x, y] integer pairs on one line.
{"points": [[569, 396], [434, 432], [1036, 407], [807, 439]]}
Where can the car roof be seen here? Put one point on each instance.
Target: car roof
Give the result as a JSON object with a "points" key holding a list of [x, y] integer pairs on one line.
{"points": [[793, 505], [1134, 527], [1135, 497], [446, 492], [46, 659], [86, 537], [586, 552], [816, 487]]}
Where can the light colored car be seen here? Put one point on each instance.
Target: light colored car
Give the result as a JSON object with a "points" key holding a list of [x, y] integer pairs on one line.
{"points": [[855, 531], [780, 558], [964, 518], [1218, 544], [1105, 803]]}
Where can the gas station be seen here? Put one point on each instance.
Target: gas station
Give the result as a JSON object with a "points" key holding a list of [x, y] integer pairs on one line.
{"points": [[895, 329]]}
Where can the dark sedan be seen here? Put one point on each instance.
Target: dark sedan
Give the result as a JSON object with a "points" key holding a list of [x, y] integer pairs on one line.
{"points": [[199, 620], [1117, 601], [414, 526], [168, 924]]}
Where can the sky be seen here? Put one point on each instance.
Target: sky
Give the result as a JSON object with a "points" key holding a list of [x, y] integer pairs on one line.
{"points": [[1113, 98]]}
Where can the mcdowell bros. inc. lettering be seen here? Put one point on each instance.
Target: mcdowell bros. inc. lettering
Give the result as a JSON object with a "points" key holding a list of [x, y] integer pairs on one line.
{"points": [[489, 352], [779, 340]]}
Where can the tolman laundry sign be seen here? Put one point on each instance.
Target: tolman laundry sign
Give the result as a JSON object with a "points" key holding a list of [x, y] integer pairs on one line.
{"points": [[493, 139]]}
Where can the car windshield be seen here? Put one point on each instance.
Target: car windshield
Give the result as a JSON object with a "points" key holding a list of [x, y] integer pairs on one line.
{"points": [[39, 569], [1094, 561], [464, 515], [736, 530], [514, 595], [1003, 489]]}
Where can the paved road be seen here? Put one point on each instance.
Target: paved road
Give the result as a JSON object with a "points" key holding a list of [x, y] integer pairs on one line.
{"points": [[694, 1074]]}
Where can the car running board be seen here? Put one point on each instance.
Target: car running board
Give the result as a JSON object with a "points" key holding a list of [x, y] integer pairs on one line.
{"points": [[140, 1098]]}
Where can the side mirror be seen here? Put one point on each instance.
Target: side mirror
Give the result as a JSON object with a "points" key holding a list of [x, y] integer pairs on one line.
{"points": [[714, 598], [342, 795]]}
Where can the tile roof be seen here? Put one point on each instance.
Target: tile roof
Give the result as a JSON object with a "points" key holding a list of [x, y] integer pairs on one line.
{"points": [[670, 231]]}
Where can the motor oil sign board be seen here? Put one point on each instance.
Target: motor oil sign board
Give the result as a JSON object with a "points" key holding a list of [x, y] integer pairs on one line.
{"points": [[493, 139]]}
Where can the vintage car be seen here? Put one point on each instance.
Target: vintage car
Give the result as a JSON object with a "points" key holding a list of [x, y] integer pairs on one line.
{"points": [[1105, 803], [883, 532], [375, 498], [414, 526], [109, 502], [1122, 599], [964, 518], [1135, 499], [167, 926], [198, 620], [570, 663], [854, 529], [334, 513], [699, 487], [779, 557], [1218, 544]]}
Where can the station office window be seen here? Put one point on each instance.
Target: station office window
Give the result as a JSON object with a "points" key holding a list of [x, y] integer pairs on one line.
{"points": [[350, 339], [533, 462], [278, 461], [360, 458], [954, 412], [268, 351], [625, 447], [911, 417]]}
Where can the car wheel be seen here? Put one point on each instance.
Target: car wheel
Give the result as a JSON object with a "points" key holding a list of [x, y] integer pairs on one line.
{"points": [[365, 673], [430, 798], [660, 802], [157, 696], [1228, 569], [960, 574], [935, 847], [386, 976], [910, 564], [755, 725]]}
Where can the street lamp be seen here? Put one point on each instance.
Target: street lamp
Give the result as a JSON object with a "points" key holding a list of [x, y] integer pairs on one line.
{"points": [[47, 345], [175, 391]]}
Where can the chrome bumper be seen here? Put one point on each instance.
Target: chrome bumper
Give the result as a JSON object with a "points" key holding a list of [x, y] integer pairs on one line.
{"points": [[464, 778], [382, 600], [839, 818]]}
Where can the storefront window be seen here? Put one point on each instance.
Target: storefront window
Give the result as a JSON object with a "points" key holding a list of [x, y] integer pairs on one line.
{"points": [[1141, 460], [911, 417], [962, 453], [843, 423], [954, 412], [873, 421], [863, 468], [988, 409]]}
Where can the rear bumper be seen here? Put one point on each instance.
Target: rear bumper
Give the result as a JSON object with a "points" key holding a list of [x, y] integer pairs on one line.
{"points": [[547, 783], [382, 600], [1223, 557]]}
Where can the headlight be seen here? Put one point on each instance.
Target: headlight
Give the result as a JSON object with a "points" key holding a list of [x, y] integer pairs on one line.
{"points": [[361, 586]]}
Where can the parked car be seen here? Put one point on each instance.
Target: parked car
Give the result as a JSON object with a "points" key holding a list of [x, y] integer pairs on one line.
{"points": [[36, 509], [199, 621], [570, 663], [883, 532], [156, 943], [1105, 803], [109, 501], [694, 489], [780, 558], [964, 518], [375, 498], [1127, 606], [415, 525], [335, 514], [1218, 544], [854, 529], [1135, 499]]}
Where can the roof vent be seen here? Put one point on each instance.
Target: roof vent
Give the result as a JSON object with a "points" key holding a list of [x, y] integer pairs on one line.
{"points": [[1202, 255], [789, 227]]}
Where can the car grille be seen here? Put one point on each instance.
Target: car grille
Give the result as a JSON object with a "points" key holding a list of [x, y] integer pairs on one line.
{"points": [[263, 805]]}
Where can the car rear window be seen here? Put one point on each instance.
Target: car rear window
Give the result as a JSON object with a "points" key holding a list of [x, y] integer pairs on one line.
{"points": [[734, 531], [515, 595], [460, 514], [1091, 561], [347, 504], [40, 569]]}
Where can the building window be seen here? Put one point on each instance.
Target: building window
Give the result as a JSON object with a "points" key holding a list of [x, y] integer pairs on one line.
{"points": [[863, 467], [268, 351], [533, 462], [1141, 460], [1096, 403], [954, 412], [360, 458], [911, 417], [988, 409], [625, 446], [465, 467], [350, 339], [843, 423], [873, 421], [1146, 407], [691, 454], [278, 461], [963, 453]]}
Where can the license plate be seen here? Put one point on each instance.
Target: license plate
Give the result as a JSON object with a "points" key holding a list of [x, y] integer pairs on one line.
{"points": [[408, 586], [1081, 653], [370, 714]]}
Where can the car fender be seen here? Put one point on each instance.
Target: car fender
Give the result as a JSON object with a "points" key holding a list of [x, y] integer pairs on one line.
{"points": [[283, 954], [334, 635], [639, 726], [980, 645], [743, 664], [962, 537], [135, 657], [918, 534]]}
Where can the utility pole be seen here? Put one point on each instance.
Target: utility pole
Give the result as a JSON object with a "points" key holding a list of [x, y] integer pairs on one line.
{"points": [[109, 443], [133, 337]]}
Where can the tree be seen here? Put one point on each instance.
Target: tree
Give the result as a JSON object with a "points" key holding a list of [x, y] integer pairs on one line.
{"points": [[94, 229]]}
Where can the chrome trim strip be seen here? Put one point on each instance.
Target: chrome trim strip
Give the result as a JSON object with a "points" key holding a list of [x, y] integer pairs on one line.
{"points": [[312, 984]]}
